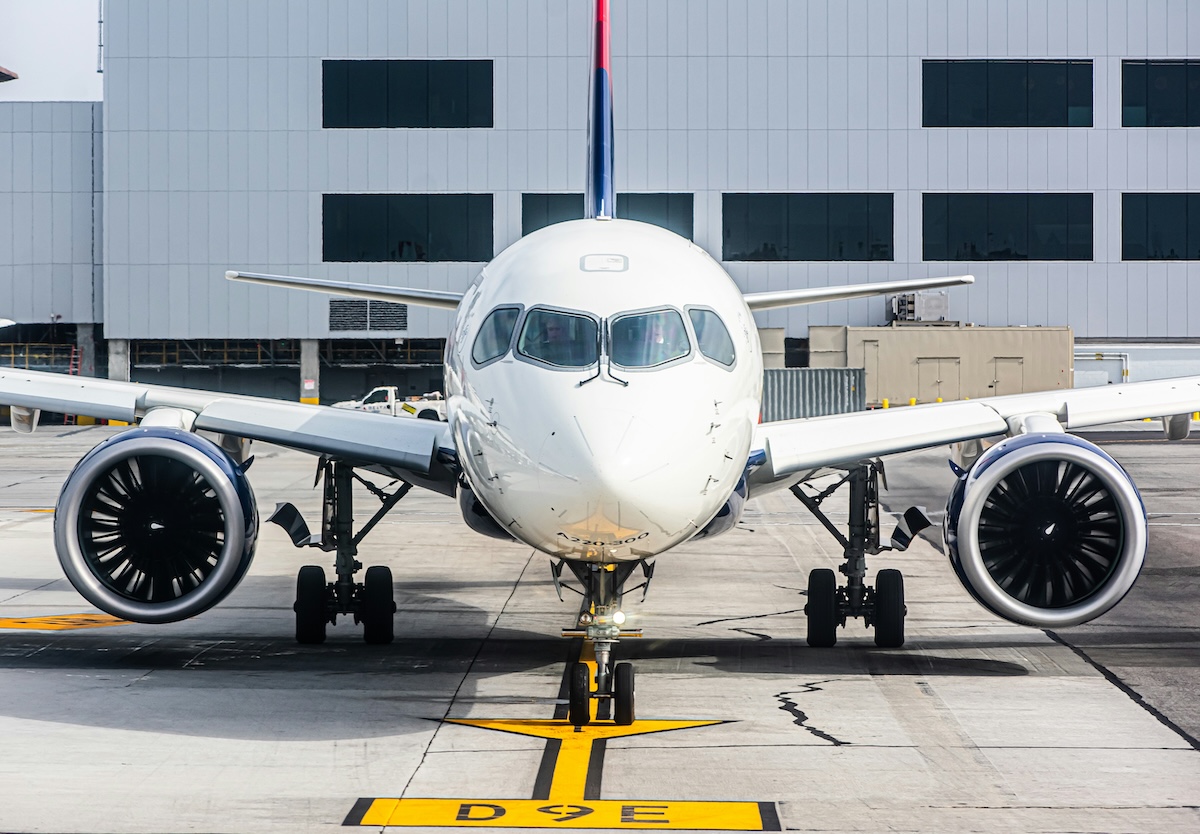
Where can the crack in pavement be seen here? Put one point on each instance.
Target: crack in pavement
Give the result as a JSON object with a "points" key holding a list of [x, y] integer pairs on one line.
{"points": [[801, 718]]}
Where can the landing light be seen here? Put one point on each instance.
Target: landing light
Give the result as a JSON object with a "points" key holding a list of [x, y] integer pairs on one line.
{"points": [[619, 618]]}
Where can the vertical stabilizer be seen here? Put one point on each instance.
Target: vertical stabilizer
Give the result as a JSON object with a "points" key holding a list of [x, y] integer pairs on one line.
{"points": [[601, 198]]}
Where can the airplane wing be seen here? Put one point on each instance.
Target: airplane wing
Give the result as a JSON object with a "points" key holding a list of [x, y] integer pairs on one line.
{"points": [[757, 301], [443, 299], [795, 449], [407, 448]]}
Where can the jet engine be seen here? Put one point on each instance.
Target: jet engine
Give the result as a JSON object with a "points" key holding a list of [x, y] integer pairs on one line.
{"points": [[1046, 530], [155, 525]]}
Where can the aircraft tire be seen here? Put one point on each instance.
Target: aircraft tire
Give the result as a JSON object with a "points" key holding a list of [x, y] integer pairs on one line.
{"points": [[889, 609], [379, 606], [623, 702], [579, 710], [311, 614], [822, 609]]}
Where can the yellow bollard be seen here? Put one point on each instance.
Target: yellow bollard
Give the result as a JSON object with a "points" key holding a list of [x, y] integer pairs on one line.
{"points": [[912, 400], [939, 399], [886, 404], [1196, 416]]}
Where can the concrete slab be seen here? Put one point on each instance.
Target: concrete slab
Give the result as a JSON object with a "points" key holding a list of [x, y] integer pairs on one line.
{"points": [[223, 724]]}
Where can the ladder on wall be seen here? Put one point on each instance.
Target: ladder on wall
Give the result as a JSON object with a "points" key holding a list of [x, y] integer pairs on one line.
{"points": [[73, 369]]}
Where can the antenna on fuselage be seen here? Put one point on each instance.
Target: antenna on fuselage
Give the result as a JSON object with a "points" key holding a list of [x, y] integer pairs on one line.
{"points": [[600, 201]]}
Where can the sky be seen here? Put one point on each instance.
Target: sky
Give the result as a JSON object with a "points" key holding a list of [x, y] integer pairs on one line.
{"points": [[52, 46]]}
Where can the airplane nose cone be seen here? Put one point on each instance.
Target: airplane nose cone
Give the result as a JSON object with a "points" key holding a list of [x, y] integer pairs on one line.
{"points": [[618, 481]]}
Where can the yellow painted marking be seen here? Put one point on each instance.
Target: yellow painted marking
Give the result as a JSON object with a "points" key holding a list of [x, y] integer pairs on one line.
{"points": [[593, 813], [561, 728], [64, 622], [40, 510], [409, 408], [310, 400]]}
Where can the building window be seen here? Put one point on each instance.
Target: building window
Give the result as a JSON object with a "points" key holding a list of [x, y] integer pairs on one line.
{"points": [[807, 227], [1160, 93], [541, 210], [406, 93], [356, 314], [1160, 227], [406, 227], [1008, 227], [1007, 93], [670, 211]]}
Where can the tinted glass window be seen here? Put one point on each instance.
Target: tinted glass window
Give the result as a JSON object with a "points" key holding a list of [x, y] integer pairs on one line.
{"points": [[1007, 227], [671, 211], [1007, 93], [407, 227], [559, 339], [712, 336], [643, 340], [495, 334], [376, 397], [807, 227], [1160, 227], [541, 210], [1160, 93], [406, 93]]}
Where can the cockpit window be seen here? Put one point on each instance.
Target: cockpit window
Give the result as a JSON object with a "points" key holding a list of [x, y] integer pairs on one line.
{"points": [[713, 337], [495, 334], [642, 340], [559, 339]]}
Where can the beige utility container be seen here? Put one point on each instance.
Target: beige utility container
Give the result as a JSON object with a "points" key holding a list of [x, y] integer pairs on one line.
{"points": [[947, 362]]}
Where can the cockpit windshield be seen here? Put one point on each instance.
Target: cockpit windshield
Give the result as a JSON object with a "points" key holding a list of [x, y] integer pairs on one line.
{"points": [[562, 339], [643, 340]]}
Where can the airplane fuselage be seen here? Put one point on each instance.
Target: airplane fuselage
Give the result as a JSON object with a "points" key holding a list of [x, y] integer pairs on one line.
{"points": [[630, 454]]}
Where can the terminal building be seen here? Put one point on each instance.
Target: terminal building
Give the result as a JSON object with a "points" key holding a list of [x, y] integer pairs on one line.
{"points": [[1052, 149]]}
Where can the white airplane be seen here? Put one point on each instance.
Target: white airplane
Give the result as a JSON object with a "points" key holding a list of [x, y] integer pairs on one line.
{"points": [[604, 382]]}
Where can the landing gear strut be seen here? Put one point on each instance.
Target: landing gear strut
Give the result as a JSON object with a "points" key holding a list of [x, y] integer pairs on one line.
{"points": [[599, 622], [881, 606], [318, 603]]}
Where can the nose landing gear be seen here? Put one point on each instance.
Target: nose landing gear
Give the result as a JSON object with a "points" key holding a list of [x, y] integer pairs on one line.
{"points": [[599, 623]]}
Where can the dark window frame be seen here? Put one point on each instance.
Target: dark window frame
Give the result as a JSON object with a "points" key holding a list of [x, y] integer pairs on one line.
{"points": [[1009, 93], [800, 226], [970, 226], [361, 228], [1138, 234], [417, 93], [1147, 99]]}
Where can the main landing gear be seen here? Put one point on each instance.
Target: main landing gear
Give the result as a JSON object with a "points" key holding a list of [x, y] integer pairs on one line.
{"points": [[319, 603], [599, 622], [881, 606]]}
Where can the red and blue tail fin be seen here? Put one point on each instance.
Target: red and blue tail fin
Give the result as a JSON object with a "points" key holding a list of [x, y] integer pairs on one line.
{"points": [[600, 200]]}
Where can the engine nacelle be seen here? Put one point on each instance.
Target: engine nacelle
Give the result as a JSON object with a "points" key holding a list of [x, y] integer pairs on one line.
{"points": [[1046, 530], [155, 525]]}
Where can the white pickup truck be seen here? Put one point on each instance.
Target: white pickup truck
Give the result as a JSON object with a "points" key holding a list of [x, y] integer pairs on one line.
{"points": [[387, 400]]}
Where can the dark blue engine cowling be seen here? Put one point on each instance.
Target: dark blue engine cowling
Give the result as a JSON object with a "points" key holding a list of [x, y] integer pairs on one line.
{"points": [[477, 516], [156, 525], [1046, 530], [731, 512]]}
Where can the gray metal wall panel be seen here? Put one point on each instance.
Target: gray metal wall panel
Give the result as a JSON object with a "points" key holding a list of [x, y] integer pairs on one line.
{"points": [[47, 217], [792, 393], [712, 96]]}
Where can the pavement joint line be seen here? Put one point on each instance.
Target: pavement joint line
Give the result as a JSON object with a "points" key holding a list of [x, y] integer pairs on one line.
{"points": [[1133, 694]]}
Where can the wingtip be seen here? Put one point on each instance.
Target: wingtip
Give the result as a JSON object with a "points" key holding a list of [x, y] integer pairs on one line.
{"points": [[232, 275]]}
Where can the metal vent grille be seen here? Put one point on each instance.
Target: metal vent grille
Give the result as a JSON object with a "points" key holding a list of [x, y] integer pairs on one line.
{"points": [[367, 315]]}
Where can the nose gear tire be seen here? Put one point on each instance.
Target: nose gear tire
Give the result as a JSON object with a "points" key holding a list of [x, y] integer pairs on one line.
{"points": [[579, 686], [623, 702]]}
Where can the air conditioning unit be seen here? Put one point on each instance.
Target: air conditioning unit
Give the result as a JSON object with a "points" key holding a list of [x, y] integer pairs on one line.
{"points": [[924, 306]]}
